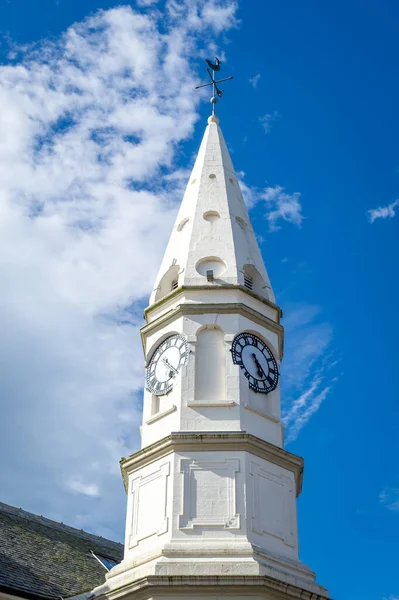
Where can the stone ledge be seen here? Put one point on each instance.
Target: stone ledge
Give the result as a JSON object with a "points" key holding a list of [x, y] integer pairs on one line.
{"points": [[160, 415], [231, 586], [214, 442], [212, 287]]}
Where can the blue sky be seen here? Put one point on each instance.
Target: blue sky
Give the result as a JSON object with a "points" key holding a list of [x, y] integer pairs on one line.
{"points": [[88, 198]]}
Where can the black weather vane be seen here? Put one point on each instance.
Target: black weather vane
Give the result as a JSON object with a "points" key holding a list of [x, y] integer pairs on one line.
{"points": [[217, 92]]}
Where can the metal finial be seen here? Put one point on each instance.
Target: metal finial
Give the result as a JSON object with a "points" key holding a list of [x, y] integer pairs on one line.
{"points": [[217, 93]]}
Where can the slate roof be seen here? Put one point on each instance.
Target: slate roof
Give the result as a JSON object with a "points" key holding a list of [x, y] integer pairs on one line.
{"points": [[40, 558]]}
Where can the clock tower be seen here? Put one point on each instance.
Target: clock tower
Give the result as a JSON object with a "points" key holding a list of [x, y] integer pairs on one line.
{"points": [[211, 494]]}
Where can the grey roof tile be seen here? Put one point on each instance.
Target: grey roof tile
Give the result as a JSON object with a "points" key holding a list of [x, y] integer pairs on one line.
{"points": [[45, 559]]}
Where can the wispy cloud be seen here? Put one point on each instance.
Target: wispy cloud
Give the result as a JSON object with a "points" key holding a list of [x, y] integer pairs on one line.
{"points": [[80, 487], [254, 80], [282, 207], [145, 3], [308, 369], [267, 120], [389, 497], [91, 123], [382, 212]]}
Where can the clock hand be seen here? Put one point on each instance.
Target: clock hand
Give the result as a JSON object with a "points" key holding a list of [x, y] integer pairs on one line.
{"points": [[261, 372], [172, 370]]}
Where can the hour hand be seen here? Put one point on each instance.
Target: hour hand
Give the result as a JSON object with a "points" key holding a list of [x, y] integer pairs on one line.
{"points": [[172, 370], [261, 372]]}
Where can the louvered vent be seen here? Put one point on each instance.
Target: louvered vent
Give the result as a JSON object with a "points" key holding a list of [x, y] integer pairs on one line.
{"points": [[175, 284], [248, 281]]}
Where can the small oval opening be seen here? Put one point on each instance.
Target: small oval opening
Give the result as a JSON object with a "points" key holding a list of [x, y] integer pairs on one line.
{"points": [[182, 224], [211, 263], [193, 181], [212, 176], [241, 222], [231, 180], [211, 215]]}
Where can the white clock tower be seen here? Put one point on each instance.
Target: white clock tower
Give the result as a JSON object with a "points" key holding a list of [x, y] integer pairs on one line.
{"points": [[211, 495]]}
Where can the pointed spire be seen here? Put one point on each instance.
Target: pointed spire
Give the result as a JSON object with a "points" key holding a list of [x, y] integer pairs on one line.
{"points": [[212, 242]]}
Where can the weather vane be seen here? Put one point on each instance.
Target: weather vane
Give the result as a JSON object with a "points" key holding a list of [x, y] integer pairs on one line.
{"points": [[217, 92]]}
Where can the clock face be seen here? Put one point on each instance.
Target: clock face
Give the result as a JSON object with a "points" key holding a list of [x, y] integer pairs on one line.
{"points": [[165, 363], [257, 362]]}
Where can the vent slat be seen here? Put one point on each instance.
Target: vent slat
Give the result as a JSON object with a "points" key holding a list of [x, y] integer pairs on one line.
{"points": [[248, 282]]}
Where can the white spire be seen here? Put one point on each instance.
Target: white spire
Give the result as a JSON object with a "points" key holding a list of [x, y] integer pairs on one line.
{"points": [[212, 242]]}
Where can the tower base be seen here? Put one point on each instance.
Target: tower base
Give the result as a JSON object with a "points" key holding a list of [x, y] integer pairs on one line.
{"points": [[248, 575], [245, 587]]}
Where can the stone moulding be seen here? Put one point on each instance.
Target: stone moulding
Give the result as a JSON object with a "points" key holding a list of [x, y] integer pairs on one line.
{"points": [[214, 442], [236, 586], [215, 307], [224, 286]]}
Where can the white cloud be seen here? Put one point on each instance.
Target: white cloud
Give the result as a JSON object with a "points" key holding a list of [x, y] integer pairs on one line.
{"points": [[308, 367], [90, 125], [389, 497], [282, 207], [267, 120], [81, 487], [382, 212], [145, 3], [218, 15], [254, 80]]}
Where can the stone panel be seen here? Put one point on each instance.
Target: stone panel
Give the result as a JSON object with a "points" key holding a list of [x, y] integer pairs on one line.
{"points": [[209, 493], [149, 504]]}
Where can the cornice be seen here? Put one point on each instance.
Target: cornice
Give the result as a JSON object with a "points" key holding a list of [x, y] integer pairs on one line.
{"points": [[216, 307], [213, 287], [214, 442], [174, 586]]}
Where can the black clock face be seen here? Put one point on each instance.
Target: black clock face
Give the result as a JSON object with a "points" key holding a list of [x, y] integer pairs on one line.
{"points": [[165, 364], [257, 362]]}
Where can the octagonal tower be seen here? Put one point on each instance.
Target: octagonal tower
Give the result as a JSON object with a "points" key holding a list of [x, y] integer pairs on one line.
{"points": [[211, 508]]}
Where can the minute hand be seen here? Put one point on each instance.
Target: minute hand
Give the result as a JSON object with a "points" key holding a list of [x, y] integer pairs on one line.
{"points": [[261, 372], [172, 369]]}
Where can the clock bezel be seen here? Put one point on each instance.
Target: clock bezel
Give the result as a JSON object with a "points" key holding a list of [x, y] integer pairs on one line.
{"points": [[166, 386], [236, 353]]}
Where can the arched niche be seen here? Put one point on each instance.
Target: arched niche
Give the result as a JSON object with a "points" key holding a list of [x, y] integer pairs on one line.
{"points": [[210, 365], [169, 282], [254, 281]]}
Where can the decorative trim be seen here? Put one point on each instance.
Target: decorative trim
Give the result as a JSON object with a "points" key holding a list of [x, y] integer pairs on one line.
{"points": [[214, 442], [160, 415], [224, 286], [222, 308], [260, 413]]}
